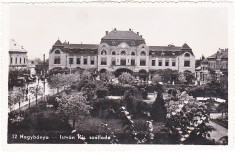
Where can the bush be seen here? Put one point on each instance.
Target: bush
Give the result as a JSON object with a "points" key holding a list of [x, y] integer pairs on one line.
{"points": [[187, 121], [158, 109]]}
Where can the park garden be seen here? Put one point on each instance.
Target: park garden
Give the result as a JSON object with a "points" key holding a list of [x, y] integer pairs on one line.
{"points": [[92, 104]]}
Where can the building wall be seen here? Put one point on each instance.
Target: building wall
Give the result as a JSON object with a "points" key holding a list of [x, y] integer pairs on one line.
{"points": [[105, 52], [181, 62], [123, 47], [65, 60], [18, 59], [163, 60]]}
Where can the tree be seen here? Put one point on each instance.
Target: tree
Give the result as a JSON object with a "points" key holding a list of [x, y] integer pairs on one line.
{"points": [[168, 75], [36, 91], [129, 100], [64, 80], [181, 78], [41, 66], [203, 57], [15, 97], [156, 78], [107, 76], [187, 120], [159, 110], [74, 106], [126, 78], [189, 76]]}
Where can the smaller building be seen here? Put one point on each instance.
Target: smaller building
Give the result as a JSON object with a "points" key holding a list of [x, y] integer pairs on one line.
{"points": [[17, 55], [216, 64], [31, 67]]}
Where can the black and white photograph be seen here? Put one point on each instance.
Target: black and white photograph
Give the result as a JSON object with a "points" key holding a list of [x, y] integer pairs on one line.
{"points": [[118, 74]]}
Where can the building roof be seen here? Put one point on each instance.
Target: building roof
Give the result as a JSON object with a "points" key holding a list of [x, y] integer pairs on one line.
{"points": [[81, 46], [204, 61], [185, 46], [165, 48], [222, 53], [76, 48], [15, 47], [122, 35], [58, 42], [116, 37], [169, 50]]}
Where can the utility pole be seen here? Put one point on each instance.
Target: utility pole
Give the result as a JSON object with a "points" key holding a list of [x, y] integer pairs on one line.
{"points": [[44, 76]]}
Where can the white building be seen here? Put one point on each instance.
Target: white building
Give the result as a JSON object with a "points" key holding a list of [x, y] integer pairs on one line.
{"points": [[17, 55], [122, 51]]}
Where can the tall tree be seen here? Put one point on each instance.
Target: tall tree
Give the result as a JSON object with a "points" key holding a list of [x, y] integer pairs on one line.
{"points": [[74, 106]]}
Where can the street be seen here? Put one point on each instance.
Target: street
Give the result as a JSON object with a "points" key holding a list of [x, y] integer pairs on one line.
{"points": [[48, 90]]}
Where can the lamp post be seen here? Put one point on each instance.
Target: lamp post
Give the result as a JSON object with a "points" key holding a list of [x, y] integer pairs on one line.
{"points": [[44, 74]]}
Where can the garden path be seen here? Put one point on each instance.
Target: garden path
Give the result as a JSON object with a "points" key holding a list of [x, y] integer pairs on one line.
{"points": [[219, 132]]}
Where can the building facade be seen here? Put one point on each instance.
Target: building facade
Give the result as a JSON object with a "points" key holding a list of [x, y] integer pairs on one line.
{"points": [[216, 63], [17, 56], [122, 51]]}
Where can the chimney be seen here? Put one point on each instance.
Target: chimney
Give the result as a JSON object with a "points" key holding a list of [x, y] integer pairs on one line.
{"points": [[106, 32], [68, 42], [137, 33], [140, 35], [129, 29], [115, 29]]}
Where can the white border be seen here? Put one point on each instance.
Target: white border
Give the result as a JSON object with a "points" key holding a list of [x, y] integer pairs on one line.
{"points": [[118, 148]]}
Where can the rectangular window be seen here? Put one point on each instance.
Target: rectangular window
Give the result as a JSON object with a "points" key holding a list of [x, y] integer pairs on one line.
{"points": [[70, 60], [132, 61], [16, 60], [113, 62], [123, 61], [57, 61], [24, 60], [78, 61], [167, 63], [153, 62], [103, 61], [20, 60], [142, 62], [160, 63], [11, 60], [186, 63], [85, 61], [173, 63], [92, 61]]}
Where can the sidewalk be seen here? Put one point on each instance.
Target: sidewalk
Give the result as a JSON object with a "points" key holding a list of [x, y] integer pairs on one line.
{"points": [[219, 132], [24, 105]]}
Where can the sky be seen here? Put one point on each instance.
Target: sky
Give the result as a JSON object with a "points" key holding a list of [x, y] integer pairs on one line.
{"points": [[37, 28]]}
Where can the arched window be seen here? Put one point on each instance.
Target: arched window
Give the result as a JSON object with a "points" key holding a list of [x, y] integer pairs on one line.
{"points": [[133, 53], [187, 55], [113, 53], [57, 52], [143, 53], [103, 52], [123, 53]]}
